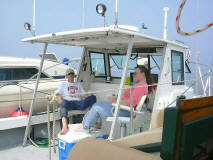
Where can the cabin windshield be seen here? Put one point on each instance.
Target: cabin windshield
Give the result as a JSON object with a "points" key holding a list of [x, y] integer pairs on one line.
{"points": [[108, 64], [98, 64], [117, 63]]}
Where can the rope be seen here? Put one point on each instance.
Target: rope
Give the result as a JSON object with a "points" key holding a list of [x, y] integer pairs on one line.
{"points": [[48, 130], [51, 103], [54, 124], [188, 33]]}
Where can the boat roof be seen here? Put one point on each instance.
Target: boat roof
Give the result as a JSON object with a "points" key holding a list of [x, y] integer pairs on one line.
{"points": [[23, 62], [18, 61], [111, 37]]}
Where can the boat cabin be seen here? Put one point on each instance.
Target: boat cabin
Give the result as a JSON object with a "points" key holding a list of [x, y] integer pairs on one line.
{"points": [[110, 55]]}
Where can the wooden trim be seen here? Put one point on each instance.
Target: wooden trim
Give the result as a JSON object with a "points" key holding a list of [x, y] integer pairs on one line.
{"points": [[199, 113], [195, 103], [190, 110]]}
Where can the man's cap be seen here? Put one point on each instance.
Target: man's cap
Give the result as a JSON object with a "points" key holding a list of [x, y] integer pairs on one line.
{"points": [[70, 71]]}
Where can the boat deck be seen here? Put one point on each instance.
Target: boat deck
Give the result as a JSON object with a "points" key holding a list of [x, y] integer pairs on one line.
{"points": [[29, 152]]}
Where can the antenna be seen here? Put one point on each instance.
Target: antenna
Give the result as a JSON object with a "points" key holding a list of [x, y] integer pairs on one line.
{"points": [[34, 18], [83, 14], [166, 9], [116, 13]]}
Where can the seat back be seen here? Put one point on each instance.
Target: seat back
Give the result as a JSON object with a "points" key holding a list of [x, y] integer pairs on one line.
{"points": [[186, 127], [140, 104]]}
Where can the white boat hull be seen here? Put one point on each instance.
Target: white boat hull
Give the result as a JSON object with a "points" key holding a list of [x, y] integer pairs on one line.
{"points": [[10, 99]]}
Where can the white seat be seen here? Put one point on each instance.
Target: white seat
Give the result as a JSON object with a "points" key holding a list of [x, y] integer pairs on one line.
{"points": [[138, 108], [72, 113], [140, 115]]}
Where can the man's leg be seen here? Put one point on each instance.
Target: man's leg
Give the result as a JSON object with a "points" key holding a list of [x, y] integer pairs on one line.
{"points": [[64, 129], [99, 109], [87, 102], [65, 106]]}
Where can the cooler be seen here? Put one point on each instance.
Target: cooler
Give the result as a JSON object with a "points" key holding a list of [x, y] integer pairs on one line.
{"points": [[66, 142]]}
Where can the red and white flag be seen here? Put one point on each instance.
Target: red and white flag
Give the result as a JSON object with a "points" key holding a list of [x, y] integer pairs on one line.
{"points": [[188, 54]]}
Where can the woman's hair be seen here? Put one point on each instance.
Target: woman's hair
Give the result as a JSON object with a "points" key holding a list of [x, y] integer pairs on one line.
{"points": [[147, 74]]}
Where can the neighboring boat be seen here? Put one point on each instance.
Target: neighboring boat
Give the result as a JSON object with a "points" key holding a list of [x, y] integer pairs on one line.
{"points": [[17, 83]]}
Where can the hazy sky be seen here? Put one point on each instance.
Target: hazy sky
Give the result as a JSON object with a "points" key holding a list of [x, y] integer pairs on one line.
{"points": [[61, 15]]}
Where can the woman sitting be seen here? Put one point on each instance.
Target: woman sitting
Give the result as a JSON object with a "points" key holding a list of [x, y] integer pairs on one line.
{"points": [[105, 109]]}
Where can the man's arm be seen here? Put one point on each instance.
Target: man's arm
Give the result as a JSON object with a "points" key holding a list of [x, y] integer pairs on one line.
{"points": [[59, 98], [59, 93]]}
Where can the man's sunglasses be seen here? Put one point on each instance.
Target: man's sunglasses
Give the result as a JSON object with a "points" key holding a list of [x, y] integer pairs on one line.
{"points": [[70, 74]]}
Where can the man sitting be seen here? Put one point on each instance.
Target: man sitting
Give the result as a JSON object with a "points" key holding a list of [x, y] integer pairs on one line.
{"points": [[69, 101]]}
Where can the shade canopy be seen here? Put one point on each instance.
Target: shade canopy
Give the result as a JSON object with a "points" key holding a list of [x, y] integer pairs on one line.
{"points": [[106, 37]]}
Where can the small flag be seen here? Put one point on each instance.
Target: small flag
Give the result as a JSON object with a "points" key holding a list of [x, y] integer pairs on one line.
{"points": [[188, 54]]}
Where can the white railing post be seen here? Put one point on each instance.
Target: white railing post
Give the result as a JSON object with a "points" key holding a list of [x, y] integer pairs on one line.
{"points": [[117, 108], [34, 97]]}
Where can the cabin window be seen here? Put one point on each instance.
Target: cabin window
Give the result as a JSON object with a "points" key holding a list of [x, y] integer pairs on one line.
{"points": [[98, 64], [155, 67], [7, 74], [117, 63], [177, 68]]}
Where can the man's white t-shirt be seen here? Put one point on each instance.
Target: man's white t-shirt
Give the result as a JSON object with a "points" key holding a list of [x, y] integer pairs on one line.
{"points": [[67, 88]]}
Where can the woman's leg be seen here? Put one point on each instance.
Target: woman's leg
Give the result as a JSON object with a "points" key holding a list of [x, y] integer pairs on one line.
{"points": [[99, 109], [124, 113]]}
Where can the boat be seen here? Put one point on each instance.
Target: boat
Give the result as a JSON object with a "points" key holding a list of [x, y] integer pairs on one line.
{"points": [[109, 56], [112, 48], [17, 81]]}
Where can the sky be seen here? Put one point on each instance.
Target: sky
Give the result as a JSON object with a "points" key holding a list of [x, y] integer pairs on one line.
{"points": [[62, 15]]}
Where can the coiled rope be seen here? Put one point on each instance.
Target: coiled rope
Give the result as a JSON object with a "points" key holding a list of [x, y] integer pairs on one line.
{"points": [[188, 33]]}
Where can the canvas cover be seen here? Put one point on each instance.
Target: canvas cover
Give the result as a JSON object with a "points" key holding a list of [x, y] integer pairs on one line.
{"points": [[99, 149]]}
